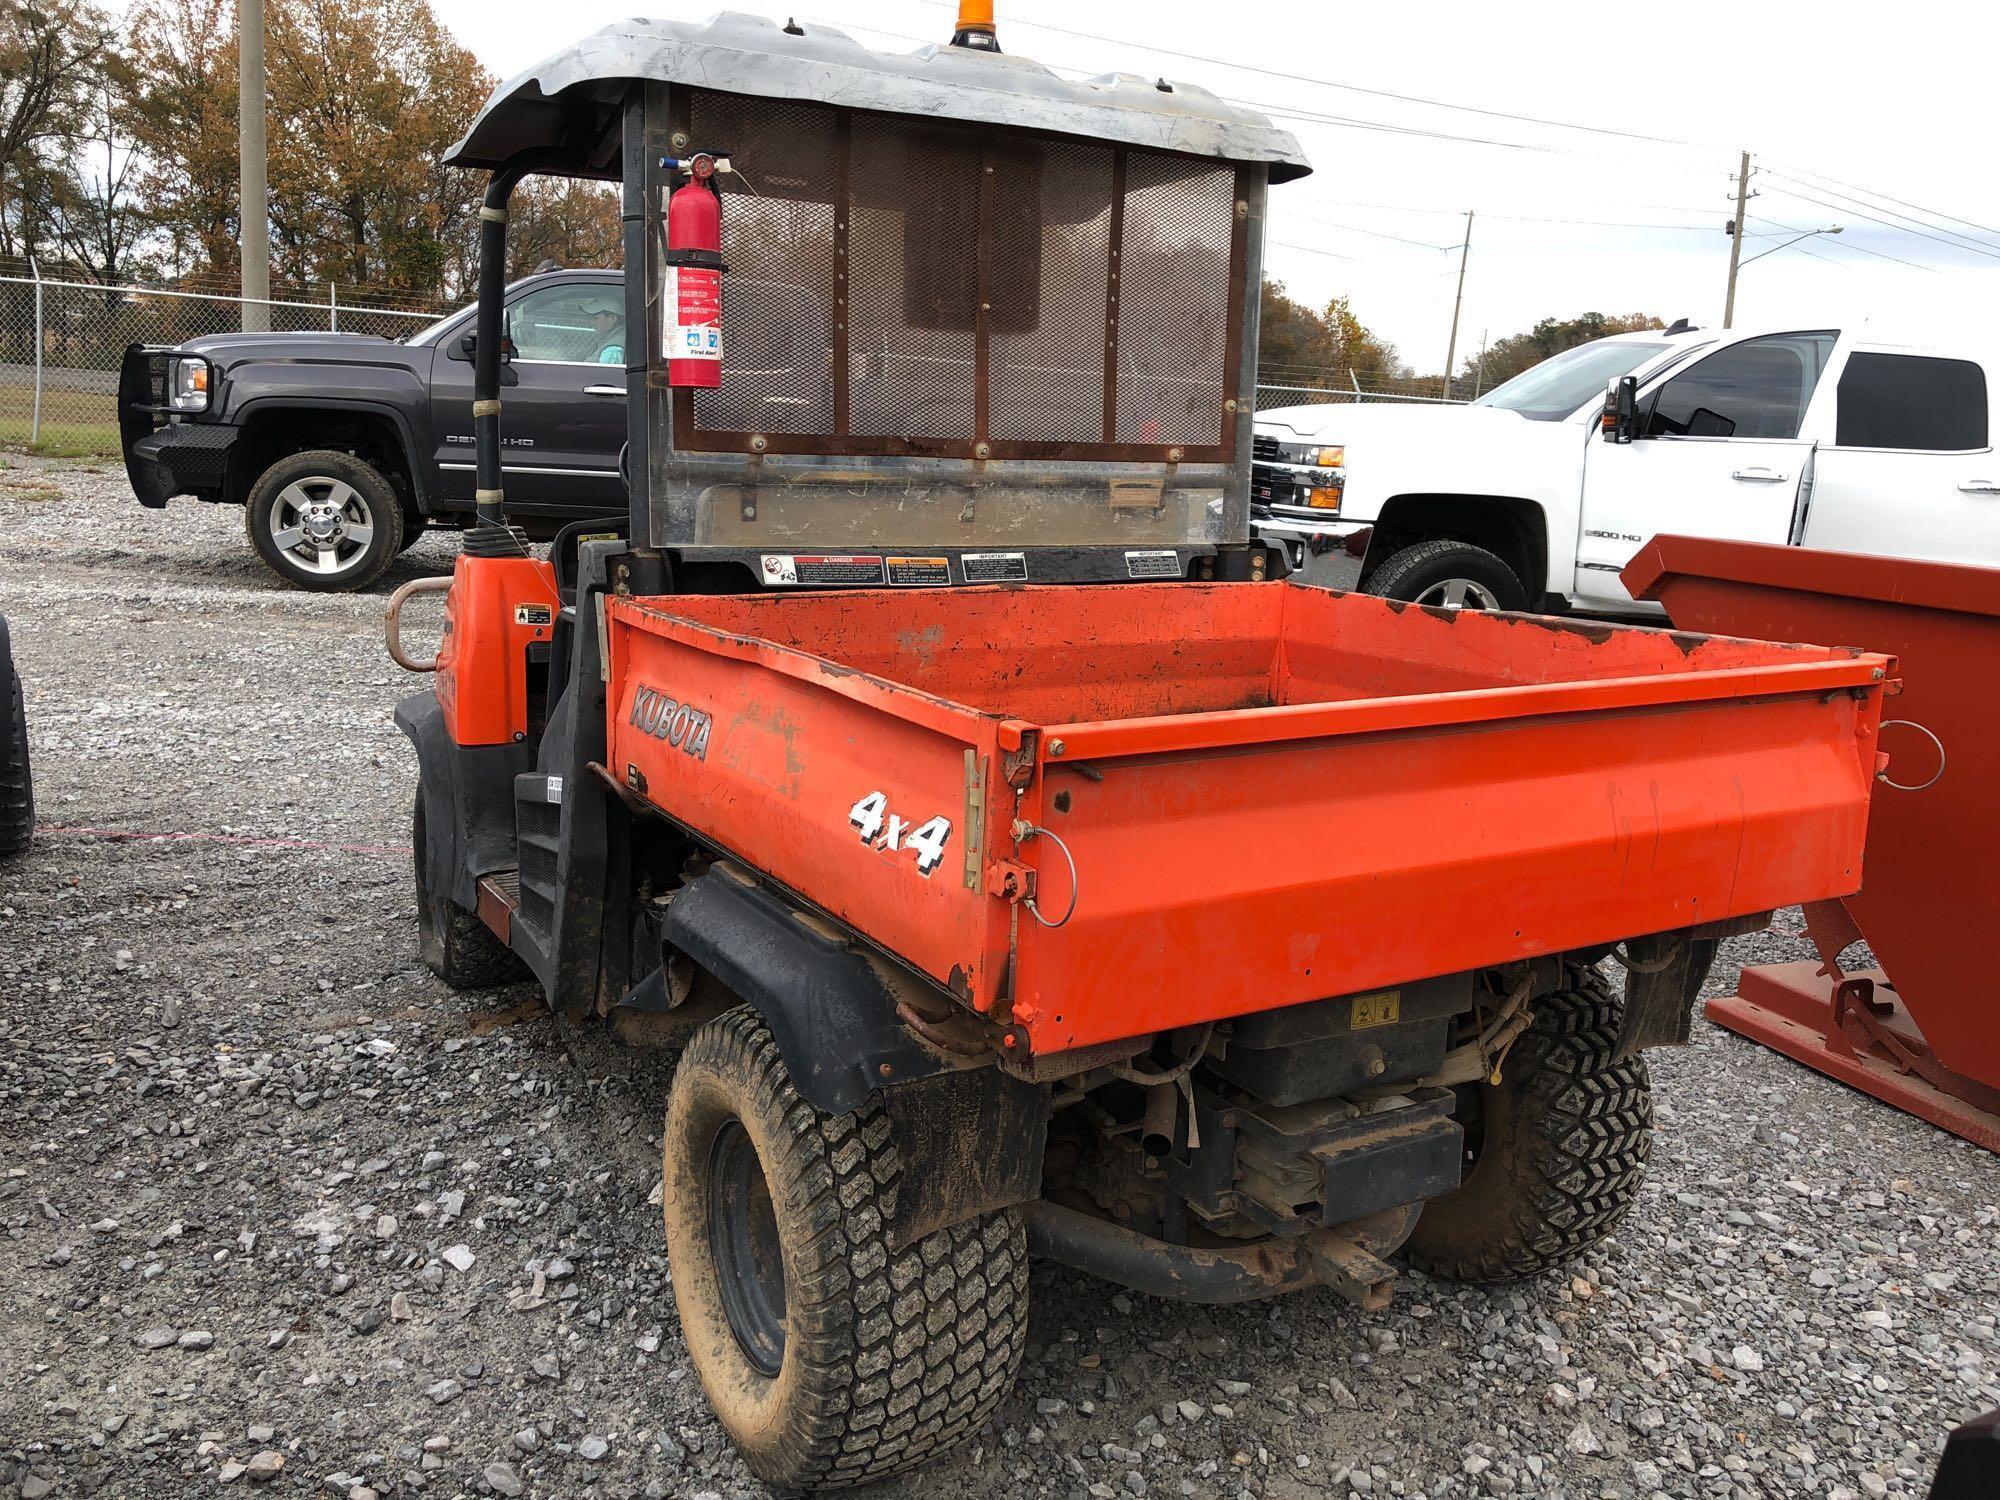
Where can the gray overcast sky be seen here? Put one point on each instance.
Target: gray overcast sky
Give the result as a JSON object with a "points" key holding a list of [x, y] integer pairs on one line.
{"points": [[1899, 102]]}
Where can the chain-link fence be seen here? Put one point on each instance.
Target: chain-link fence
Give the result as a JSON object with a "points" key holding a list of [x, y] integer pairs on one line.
{"points": [[61, 342], [1272, 397]]}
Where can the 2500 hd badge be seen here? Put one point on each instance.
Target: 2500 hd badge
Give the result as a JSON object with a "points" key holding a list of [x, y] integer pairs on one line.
{"points": [[679, 724]]}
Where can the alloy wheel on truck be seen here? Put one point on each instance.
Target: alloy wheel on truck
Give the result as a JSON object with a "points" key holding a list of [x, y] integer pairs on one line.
{"points": [[1557, 1148], [831, 1356], [1449, 575], [455, 945], [324, 520]]}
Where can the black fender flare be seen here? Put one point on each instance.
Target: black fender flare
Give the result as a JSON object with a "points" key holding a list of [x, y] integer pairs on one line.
{"points": [[416, 460], [970, 1135], [468, 801]]}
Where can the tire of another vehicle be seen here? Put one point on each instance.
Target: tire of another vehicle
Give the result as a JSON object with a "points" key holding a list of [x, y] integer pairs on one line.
{"points": [[350, 494], [1560, 1147], [456, 946], [830, 1358], [1451, 574], [17, 787]]}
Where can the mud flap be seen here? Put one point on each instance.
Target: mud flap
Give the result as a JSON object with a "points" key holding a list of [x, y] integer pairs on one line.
{"points": [[1663, 978], [971, 1141], [468, 801]]}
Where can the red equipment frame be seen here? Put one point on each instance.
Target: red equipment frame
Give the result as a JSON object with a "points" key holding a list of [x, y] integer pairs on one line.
{"points": [[1928, 1041]]}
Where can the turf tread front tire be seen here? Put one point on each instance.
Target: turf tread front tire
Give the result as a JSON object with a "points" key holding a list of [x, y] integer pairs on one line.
{"points": [[17, 787], [1566, 1137], [890, 1356]]}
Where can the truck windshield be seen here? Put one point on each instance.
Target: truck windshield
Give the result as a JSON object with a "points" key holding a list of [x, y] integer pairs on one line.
{"points": [[1556, 387]]}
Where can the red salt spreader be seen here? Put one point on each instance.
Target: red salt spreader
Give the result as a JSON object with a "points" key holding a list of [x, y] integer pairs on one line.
{"points": [[1923, 1031]]}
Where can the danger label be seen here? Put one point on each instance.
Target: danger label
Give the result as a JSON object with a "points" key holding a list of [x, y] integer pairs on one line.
{"points": [[924, 571], [785, 568], [994, 567]]}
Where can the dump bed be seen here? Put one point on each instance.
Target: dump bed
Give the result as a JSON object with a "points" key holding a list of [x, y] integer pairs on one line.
{"points": [[1268, 793]]}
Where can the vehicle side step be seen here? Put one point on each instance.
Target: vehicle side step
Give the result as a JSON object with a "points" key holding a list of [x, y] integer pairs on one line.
{"points": [[499, 897], [538, 833]]}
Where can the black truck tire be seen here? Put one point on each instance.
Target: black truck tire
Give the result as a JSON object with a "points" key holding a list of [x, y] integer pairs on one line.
{"points": [[324, 520], [455, 945], [1449, 574], [1558, 1147], [17, 786], [830, 1358]]}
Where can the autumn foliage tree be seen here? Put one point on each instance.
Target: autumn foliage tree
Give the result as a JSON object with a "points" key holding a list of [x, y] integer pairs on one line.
{"points": [[1508, 357], [1330, 347]]}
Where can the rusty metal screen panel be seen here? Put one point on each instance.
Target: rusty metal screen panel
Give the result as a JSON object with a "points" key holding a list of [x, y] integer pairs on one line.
{"points": [[1174, 314], [913, 308], [777, 241], [900, 286]]}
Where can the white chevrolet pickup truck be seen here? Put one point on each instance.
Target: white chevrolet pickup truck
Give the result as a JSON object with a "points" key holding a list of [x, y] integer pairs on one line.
{"points": [[1538, 493]]}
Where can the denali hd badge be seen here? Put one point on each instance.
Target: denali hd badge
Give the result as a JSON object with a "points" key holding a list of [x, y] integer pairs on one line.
{"points": [[680, 725]]}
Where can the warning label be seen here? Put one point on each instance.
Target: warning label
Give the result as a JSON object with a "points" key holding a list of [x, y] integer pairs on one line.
{"points": [[994, 567], [924, 571], [1162, 564], [804, 568], [533, 614]]}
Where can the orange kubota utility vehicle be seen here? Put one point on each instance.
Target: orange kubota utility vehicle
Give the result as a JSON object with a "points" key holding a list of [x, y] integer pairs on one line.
{"points": [[1021, 862]]}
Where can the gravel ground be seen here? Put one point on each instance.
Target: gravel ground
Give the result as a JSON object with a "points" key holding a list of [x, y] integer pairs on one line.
{"points": [[279, 1206]]}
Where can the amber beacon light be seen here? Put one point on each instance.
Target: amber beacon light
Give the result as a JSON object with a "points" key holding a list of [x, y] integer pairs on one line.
{"points": [[975, 26]]}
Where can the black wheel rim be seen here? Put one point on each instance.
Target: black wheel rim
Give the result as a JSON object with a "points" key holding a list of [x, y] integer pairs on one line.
{"points": [[743, 1239]]}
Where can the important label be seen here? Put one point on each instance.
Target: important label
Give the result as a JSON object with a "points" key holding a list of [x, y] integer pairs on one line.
{"points": [[533, 614], [788, 569], [1385, 1009], [994, 567], [925, 572], [1165, 563]]}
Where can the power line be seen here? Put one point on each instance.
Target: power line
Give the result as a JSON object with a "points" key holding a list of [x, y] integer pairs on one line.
{"points": [[1863, 249], [1886, 223], [1314, 250], [1936, 213], [1291, 213], [1971, 243], [1330, 83]]}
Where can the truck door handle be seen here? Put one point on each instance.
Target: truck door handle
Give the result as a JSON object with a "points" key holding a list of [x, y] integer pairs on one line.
{"points": [[1980, 487], [1759, 475], [604, 390]]}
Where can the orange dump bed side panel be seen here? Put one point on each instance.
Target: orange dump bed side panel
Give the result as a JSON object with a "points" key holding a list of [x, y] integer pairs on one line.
{"points": [[1271, 794]]}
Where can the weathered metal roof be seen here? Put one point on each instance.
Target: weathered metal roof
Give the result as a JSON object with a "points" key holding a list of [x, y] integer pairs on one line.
{"points": [[565, 103]]}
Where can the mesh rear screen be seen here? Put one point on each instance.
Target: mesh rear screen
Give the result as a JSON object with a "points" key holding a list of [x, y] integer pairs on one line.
{"points": [[777, 306], [907, 286]]}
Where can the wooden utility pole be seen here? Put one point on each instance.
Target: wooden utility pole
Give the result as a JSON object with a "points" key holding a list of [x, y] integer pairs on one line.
{"points": [[253, 187], [1736, 237], [1451, 348]]}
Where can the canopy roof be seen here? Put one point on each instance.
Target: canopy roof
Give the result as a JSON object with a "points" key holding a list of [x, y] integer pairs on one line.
{"points": [[566, 107]]}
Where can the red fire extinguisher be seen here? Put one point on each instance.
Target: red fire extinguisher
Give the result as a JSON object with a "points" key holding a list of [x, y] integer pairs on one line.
{"points": [[693, 302]]}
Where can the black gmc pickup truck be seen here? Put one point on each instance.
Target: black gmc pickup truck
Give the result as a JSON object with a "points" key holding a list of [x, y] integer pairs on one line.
{"points": [[343, 448]]}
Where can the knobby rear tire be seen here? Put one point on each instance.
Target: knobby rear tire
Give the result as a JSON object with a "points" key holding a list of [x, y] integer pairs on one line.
{"points": [[1564, 1139], [887, 1356]]}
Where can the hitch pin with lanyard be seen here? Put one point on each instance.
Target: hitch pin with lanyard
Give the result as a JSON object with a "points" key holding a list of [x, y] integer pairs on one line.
{"points": [[1023, 830]]}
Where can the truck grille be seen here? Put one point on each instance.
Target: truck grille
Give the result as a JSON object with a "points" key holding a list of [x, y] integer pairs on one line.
{"points": [[1265, 449]]}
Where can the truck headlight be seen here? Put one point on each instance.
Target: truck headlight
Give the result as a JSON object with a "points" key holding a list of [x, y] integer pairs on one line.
{"points": [[188, 382], [1316, 455]]}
